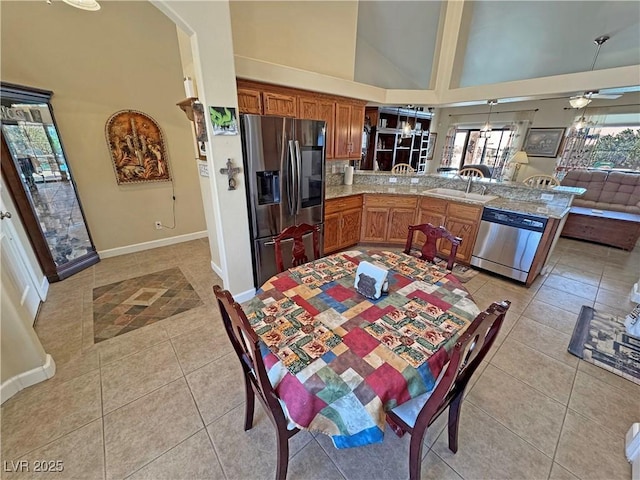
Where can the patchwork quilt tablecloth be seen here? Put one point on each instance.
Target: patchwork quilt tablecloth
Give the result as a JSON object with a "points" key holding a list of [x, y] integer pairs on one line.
{"points": [[339, 360]]}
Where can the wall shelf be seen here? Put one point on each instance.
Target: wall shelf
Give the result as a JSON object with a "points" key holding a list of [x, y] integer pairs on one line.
{"points": [[406, 147]]}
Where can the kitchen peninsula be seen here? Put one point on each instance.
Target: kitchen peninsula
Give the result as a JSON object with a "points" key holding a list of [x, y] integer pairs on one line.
{"points": [[379, 207]]}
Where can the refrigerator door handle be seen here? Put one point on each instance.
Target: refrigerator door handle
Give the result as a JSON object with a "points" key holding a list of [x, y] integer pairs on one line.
{"points": [[298, 177], [291, 178]]}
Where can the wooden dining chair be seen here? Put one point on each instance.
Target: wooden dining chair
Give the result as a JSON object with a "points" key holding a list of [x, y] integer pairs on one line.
{"points": [[415, 416], [246, 344], [471, 172], [298, 251], [402, 169], [429, 248], [541, 181]]}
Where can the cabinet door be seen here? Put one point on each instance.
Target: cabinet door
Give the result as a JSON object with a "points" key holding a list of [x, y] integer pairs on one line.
{"points": [[374, 224], [249, 101], [342, 131], [465, 229], [282, 105], [356, 127], [350, 227], [308, 108], [331, 232], [427, 216], [399, 221], [327, 112]]}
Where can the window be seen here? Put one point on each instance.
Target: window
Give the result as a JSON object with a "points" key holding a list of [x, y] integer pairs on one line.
{"points": [[602, 146], [469, 148], [617, 147]]}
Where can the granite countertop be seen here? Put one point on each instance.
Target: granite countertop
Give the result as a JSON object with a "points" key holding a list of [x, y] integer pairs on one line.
{"points": [[533, 208]]}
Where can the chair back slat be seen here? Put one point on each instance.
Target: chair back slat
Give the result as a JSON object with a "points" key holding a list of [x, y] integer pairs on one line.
{"points": [[298, 250], [471, 172], [430, 247], [402, 168], [541, 181]]}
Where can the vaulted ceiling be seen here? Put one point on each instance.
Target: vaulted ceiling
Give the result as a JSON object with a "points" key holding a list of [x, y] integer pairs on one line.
{"points": [[500, 41]]}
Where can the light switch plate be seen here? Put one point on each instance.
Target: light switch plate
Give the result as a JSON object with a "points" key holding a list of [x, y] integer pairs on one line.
{"points": [[547, 197], [393, 179], [203, 168], [415, 180]]}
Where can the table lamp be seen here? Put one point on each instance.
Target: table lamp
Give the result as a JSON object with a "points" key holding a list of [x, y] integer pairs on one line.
{"points": [[519, 159]]}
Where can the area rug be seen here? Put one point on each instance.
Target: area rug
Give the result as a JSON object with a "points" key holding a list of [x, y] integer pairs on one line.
{"points": [[124, 306], [600, 338]]}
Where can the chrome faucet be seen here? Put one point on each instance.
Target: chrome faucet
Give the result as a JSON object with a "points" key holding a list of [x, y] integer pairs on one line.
{"points": [[484, 189], [469, 184]]}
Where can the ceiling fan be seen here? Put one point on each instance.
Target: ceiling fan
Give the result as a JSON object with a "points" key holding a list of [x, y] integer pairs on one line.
{"points": [[584, 99]]}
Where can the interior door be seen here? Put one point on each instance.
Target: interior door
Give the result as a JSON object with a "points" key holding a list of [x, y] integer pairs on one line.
{"points": [[17, 266]]}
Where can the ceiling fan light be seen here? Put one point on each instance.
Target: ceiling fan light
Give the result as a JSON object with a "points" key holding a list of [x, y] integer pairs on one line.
{"points": [[91, 5], [579, 102]]}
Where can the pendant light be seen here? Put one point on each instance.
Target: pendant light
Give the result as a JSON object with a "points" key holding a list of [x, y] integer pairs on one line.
{"points": [[581, 101], [485, 131]]}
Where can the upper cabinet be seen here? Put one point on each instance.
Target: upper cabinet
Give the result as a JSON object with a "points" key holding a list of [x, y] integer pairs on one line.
{"points": [[280, 105], [344, 117], [320, 108], [250, 101], [348, 130]]}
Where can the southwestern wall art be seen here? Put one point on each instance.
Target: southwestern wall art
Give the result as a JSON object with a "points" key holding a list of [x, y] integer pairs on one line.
{"points": [[137, 148]]}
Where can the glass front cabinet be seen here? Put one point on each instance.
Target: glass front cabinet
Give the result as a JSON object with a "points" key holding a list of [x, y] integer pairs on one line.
{"points": [[38, 176]]}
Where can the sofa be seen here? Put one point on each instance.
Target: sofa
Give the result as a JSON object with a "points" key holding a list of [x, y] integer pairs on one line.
{"points": [[609, 211]]}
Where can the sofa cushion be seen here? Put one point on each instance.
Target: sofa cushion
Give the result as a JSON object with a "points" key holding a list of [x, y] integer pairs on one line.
{"points": [[593, 181], [621, 189]]}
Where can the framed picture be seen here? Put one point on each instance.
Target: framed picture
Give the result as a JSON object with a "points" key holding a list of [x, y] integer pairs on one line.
{"points": [[431, 145], [223, 120], [543, 142], [137, 148]]}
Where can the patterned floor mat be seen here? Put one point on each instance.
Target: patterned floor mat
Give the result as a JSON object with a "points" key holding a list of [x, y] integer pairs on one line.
{"points": [[600, 338], [130, 304]]}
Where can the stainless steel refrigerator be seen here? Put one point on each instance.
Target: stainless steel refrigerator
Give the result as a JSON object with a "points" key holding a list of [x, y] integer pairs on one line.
{"points": [[284, 171]]}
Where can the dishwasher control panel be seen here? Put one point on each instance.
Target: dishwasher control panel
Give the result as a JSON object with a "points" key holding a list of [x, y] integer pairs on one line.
{"points": [[514, 219]]}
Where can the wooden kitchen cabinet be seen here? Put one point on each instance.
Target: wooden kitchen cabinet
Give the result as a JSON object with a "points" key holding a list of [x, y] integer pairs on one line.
{"points": [[279, 104], [386, 218], [319, 108], [250, 101], [461, 219], [348, 130], [342, 223]]}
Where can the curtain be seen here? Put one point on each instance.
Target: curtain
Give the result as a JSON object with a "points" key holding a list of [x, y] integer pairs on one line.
{"points": [[447, 153], [578, 147]]}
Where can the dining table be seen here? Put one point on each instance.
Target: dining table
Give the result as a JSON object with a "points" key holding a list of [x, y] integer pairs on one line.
{"points": [[339, 360]]}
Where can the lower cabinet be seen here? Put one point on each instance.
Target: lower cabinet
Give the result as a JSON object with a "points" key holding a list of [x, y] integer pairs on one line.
{"points": [[461, 219], [342, 219], [386, 218]]}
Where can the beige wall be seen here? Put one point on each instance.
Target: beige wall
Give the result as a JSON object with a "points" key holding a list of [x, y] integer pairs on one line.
{"points": [[20, 349], [123, 57], [208, 26], [318, 36]]}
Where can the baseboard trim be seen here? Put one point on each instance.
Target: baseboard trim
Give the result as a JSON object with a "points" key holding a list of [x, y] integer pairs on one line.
{"points": [[244, 296], [216, 269], [162, 242], [23, 380]]}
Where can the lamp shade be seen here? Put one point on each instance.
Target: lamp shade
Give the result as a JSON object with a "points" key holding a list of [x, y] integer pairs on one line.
{"points": [[519, 157]]}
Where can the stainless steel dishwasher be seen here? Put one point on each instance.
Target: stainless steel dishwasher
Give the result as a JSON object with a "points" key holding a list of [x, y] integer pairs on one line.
{"points": [[507, 242]]}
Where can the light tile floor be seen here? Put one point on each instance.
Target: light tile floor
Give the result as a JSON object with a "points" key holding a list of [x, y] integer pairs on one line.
{"points": [[166, 401]]}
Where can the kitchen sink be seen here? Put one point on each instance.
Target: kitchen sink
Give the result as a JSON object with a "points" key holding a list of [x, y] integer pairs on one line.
{"points": [[458, 194]]}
